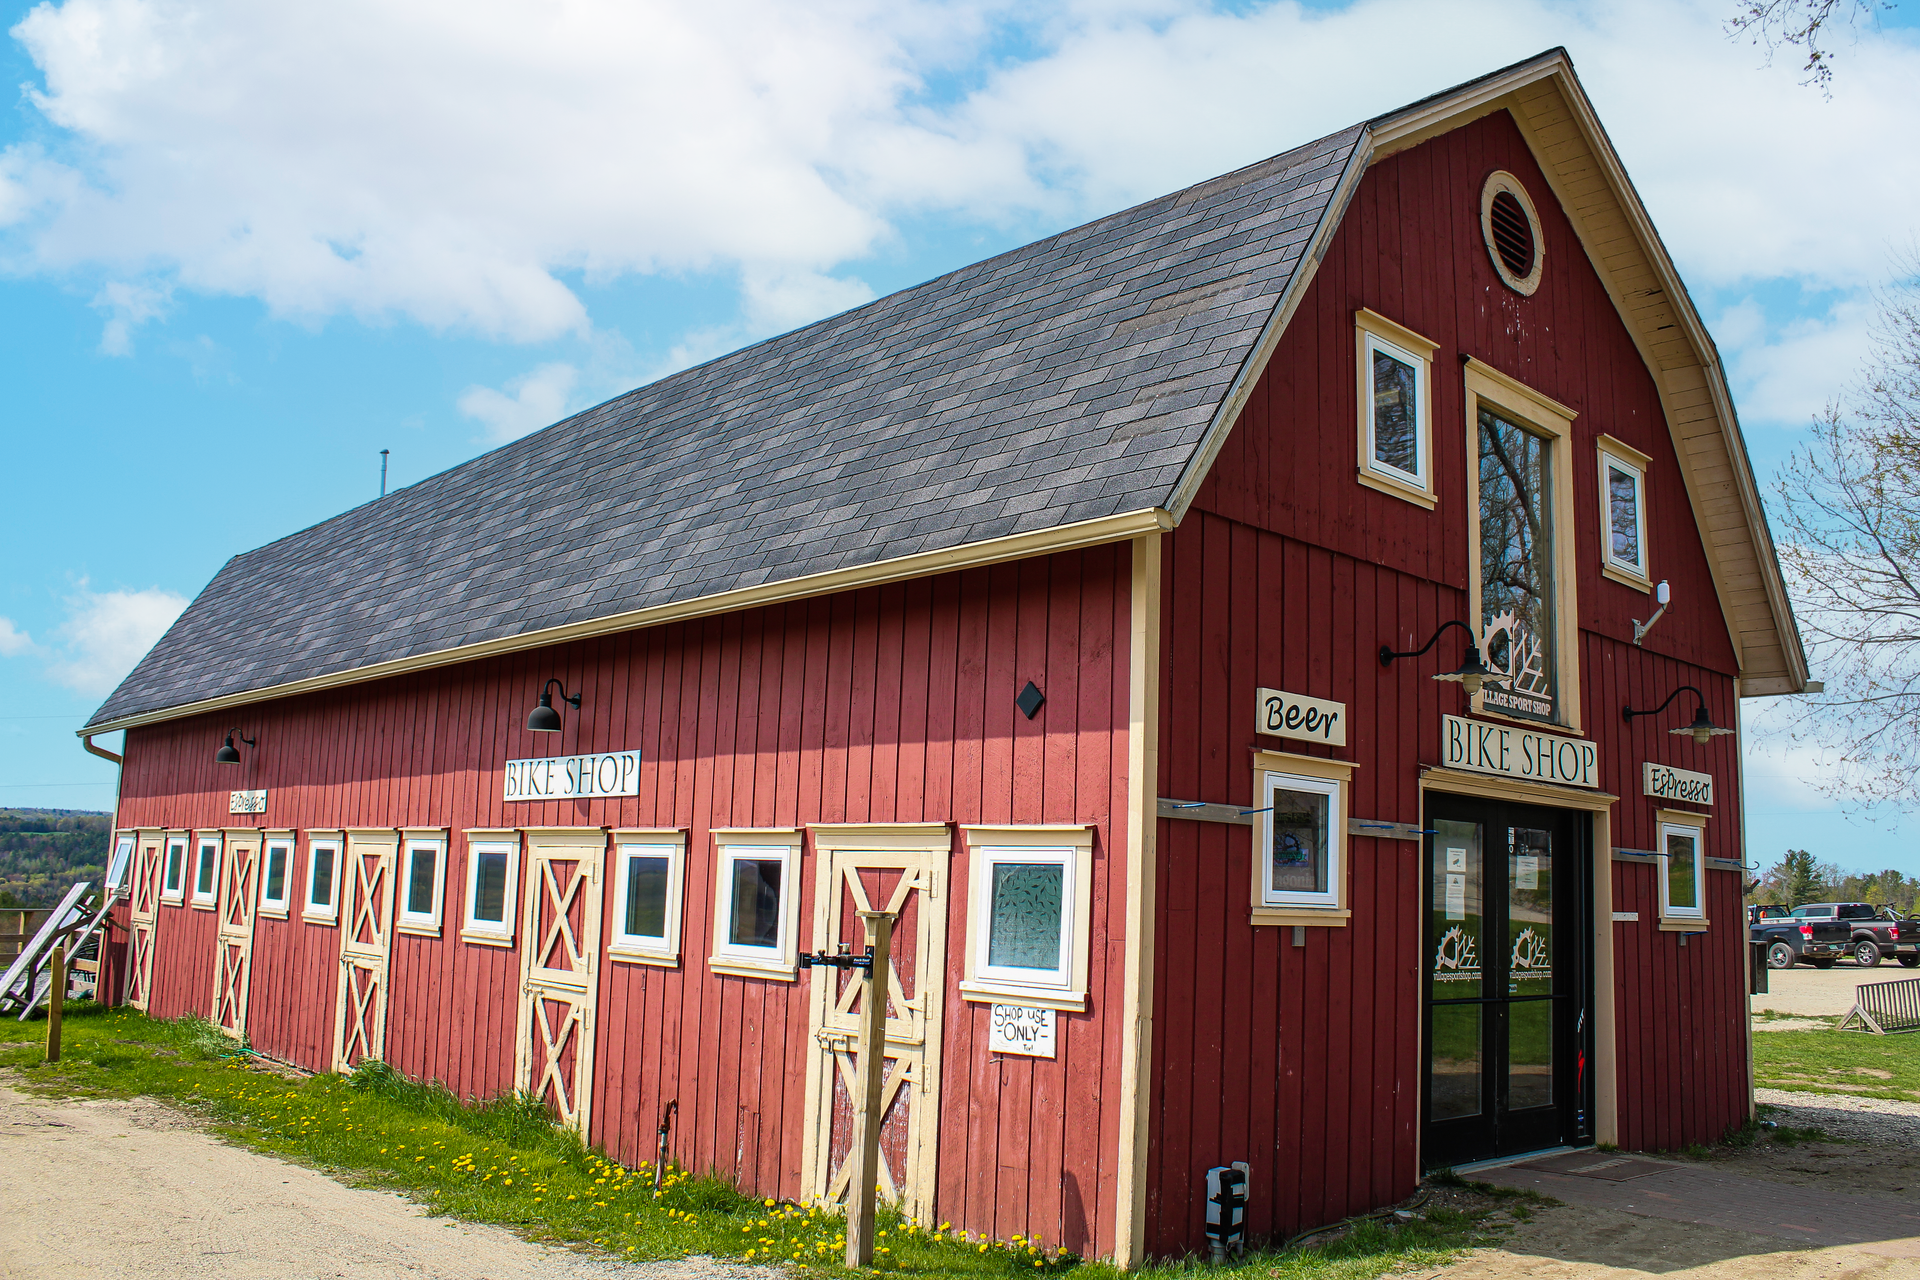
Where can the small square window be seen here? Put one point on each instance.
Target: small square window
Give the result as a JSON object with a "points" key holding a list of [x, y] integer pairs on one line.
{"points": [[1299, 839], [173, 871], [276, 874], [122, 859], [206, 869], [1396, 434], [322, 881], [1623, 513], [423, 878], [754, 905], [1029, 911], [493, 871], [1682, 873], [646, 904]]}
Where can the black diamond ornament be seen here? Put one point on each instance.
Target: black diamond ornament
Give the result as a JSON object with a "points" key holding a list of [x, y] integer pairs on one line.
{"points": [[1029, 700]]}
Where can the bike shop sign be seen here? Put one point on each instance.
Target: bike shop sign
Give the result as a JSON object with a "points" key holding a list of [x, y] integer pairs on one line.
{"points": [[1513, 752], [613, 773]]}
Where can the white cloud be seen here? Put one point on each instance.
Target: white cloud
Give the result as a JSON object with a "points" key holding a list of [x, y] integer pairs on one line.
{"points": [[536, 400], [13, 642], [129, 306], [106, 632], [1788, 375]]}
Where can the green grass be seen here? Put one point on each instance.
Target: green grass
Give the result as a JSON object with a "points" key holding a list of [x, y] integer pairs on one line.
{"points": [[1868, 1066], [502, 1161]]}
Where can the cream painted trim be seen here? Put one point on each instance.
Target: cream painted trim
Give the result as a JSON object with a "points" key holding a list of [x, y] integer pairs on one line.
{"points": [[201, 836], [1370, 325], [1339, 772], [978, 989], [1018, 546], [621, 949], [1302, 917], [443, 854], [284, 908], [1554, 420], [325, 916], [576, 837], [786, 966], [504, 935], [1683, 818], [1498, 181], [1142, 828], [1622, 450], [1435, 116], [882, 837], [1607, 448], [1490, 786], [1698, 823]]}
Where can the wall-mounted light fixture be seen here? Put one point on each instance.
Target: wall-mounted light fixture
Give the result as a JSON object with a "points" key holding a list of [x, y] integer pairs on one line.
{"points": [[543, 718], [1703, 729], [1473, 673], [230, 754], [1661, 595]]}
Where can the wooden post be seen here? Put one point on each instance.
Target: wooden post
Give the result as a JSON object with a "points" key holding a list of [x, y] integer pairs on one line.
{"points": [[56, 1000], [864, 1183]]}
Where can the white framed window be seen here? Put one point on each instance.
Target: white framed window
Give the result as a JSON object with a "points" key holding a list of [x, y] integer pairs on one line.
{"points": [[648, 874], [206, 869], [321, 883], [173, 867], [1029, 915], [276, 873], [1623, 514], [756, 903], [122, 859], [1396, 416], [1683, 879], [1300, 871], [423, 880], [493, 881]]}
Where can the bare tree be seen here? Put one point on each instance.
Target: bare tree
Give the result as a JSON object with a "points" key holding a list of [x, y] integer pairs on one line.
{"points": [[1802, 24], [1850, 507]]}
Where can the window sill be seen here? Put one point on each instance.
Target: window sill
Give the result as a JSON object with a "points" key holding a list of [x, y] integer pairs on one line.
{"points": [[203, 906], [165, 901], [1683, 924], [1029, 997], [273, 913], [1398, 488], [1627, 578], [485, 939], [739, 967], [327, 921], [418, 929], [633, 955], [1321, 917]]}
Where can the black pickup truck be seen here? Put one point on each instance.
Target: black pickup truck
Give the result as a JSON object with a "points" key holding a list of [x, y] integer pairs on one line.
{"points": [[1875, 932], [1791, 939]]}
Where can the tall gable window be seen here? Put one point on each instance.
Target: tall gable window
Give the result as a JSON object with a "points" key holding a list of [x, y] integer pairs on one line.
{"points": [[1396, 428], [1623, 513], [1521, 567]]}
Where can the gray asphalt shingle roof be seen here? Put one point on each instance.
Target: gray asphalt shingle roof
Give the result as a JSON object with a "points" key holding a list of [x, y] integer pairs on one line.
{"points": [[1064, 381]]}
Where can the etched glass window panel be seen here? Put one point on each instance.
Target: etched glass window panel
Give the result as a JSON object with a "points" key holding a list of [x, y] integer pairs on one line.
{"points": [[1517, 567], [320, 888], [756, 903], [1454, 968], [1396, 414], [647, 896], [1024, 915], [1682, 857], [420, 881], [1623, 516], [1530, 938], [1297, 859], [490, 887], [1529, 1054]]}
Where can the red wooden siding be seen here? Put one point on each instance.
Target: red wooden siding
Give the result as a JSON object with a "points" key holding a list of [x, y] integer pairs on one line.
{"points": [[888, 705], [1288, 573]]}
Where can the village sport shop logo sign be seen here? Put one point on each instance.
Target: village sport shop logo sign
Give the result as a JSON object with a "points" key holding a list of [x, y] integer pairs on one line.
{"points": [[1512, 752], [613, 773]]}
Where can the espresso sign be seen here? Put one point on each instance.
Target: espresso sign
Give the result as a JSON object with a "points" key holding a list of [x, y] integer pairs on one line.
{"points": [[246, 802], [1290, 715], [617, 773], [1514, 752], [1669, 783]]}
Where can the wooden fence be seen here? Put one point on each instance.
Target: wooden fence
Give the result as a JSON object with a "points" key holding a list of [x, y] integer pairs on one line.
{"points": [[17, 925], [1886, 1007]]}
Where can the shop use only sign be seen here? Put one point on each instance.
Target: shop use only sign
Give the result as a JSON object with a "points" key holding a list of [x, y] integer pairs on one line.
{"points": [[1513, 752], [615, 773], [1290, 715], [1669, 783]]}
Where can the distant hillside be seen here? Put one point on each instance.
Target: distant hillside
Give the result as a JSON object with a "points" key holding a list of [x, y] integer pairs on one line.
{"points": [[44, 851]]}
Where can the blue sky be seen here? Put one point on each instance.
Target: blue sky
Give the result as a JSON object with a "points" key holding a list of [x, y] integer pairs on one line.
{"points": [[243, 248]]}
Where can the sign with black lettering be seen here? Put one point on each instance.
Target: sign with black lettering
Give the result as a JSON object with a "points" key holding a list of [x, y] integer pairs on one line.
{"points": [[1018, 1029], [246, 802], [1291, 715], [1669, 783], [615, 773], [1513, 752]]}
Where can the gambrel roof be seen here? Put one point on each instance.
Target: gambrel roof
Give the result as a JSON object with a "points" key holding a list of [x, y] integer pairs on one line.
{"points": [[1067, 393]]}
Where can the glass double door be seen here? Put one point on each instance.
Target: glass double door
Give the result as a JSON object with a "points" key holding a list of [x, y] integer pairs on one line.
{"points": [[1506, 980]]}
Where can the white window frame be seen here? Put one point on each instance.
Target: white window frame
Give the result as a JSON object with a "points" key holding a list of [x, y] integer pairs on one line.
{"points": [[782, 960], [203, 841], [421, 922], [634, 948], [1694, 825], [491, 933], [183, 839], [1319, 775], [310, 911], [118, 867], [1373, 331], [1072, 846], [277, 908], [1615, 453]]}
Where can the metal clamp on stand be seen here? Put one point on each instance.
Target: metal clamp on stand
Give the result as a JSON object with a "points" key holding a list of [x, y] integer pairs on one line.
{"points": [[841, 959]]}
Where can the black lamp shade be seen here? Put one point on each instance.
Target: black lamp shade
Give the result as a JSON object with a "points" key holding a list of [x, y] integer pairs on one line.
{"points": [[1473, 672], [543, 718], [1703, 729], [228, 753]]}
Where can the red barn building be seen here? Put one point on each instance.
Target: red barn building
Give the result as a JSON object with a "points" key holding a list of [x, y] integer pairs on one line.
{"points": [[1044, 603]]}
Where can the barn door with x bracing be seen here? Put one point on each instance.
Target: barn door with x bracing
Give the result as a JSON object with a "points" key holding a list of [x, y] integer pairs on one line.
{"points": [[559, 969], [143, 902], [906, 877], [233, 940], [366, 947]]}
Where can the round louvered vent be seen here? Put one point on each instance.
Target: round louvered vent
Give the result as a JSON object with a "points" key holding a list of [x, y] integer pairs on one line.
{"points": [[1512, 231]]}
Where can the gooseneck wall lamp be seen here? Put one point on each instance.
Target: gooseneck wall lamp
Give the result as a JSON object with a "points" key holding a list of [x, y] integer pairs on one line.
{"points": [[1703, 729], [230, 754], [1473, 673], [543, 718]]}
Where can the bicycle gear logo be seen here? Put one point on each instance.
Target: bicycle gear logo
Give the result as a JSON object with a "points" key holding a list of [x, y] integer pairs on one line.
{"points": [[1510, 646], [1456, 959], [1532, 957]]}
